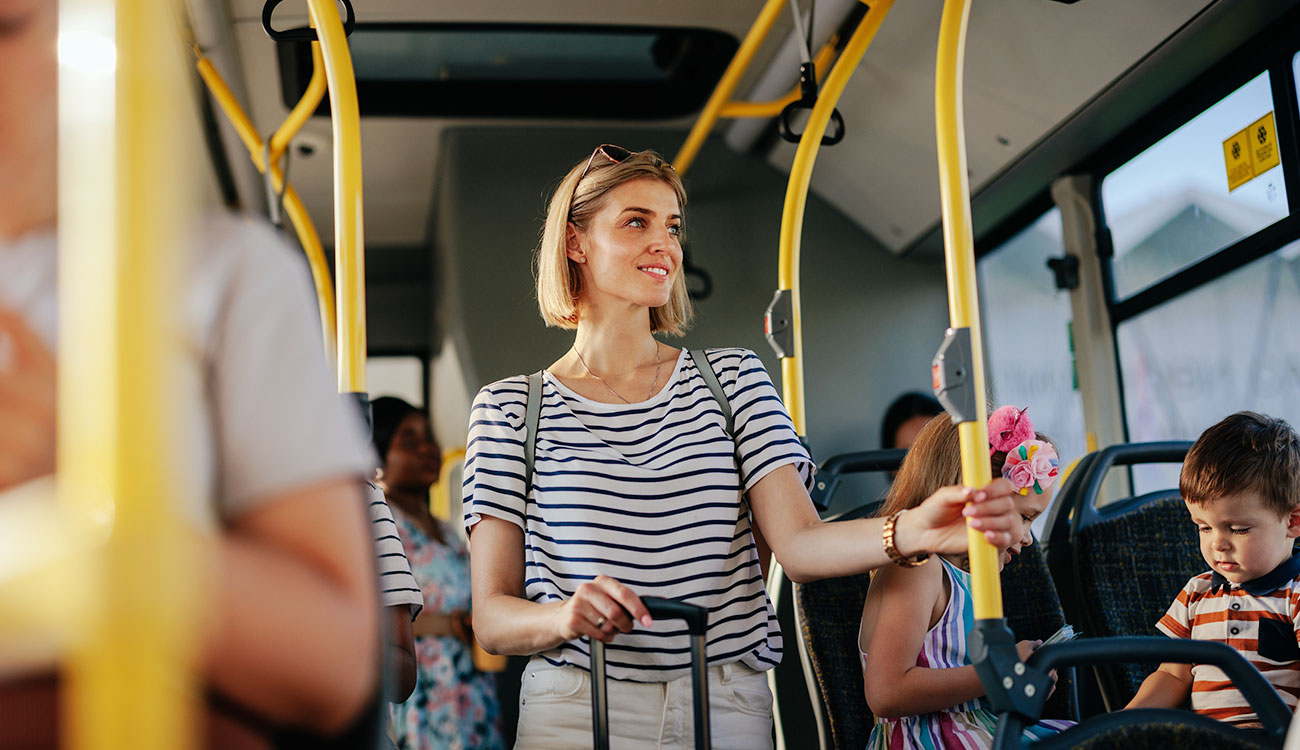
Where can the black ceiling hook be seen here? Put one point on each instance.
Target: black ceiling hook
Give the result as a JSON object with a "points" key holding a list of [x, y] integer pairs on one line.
{"points": [[302, 33], [808, 100]]}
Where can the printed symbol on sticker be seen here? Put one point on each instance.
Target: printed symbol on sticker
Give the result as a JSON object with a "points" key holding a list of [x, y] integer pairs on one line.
{"points": [[1262, 134], [1236, 150]]}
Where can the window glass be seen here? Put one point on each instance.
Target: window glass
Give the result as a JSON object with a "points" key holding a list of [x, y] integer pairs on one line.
{"points": [[402, 377], [1226, 346], [1173, 205], [1030, 360]]}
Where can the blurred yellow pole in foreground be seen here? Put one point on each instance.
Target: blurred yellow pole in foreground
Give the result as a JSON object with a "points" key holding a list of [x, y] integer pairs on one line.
{"points": [[122, 221]]}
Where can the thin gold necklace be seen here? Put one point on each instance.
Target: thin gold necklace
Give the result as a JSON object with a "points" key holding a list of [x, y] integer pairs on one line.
{"points": [[653, 385]]}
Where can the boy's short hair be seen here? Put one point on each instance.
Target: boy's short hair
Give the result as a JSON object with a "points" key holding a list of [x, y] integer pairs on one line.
{"points": [[1246, 451]]}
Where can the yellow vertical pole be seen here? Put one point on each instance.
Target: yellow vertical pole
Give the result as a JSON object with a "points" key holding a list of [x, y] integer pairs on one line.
{"points": [[349, 228], [727, 84], [121, 219], [796, 200], [963, 299]]}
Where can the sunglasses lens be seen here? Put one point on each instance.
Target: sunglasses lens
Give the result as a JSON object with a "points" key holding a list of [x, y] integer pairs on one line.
{"points": [[616, 154]]}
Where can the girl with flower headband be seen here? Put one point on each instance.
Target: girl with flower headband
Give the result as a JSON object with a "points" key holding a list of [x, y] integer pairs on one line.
{"points": [[918, 676]]}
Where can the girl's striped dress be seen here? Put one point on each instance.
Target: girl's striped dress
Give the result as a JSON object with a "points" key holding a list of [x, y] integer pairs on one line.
{"points": [[966, 725]]}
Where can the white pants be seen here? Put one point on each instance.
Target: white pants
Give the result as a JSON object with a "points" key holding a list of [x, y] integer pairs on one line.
{"points": [[555, 710]]}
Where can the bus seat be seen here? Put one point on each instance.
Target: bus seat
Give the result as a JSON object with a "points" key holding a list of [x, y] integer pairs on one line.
{"points": [[829, 613], [1033, 611], [1130, 567], [1118, 567]]}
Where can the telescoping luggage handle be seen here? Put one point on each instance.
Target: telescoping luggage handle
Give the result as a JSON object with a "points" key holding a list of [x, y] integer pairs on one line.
{"points": [[697, 625]]}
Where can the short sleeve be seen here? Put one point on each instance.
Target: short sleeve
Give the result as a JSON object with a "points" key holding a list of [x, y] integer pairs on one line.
{"points": [[1177, 621], [279, 419], [397, 586], [765, 436], [493, 473]]}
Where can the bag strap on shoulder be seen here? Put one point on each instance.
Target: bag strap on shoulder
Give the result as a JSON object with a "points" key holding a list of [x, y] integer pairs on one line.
{"points": [[531, 418], [711, 380]]}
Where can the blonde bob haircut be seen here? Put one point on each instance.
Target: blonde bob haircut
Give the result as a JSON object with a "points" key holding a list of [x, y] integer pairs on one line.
{"points": [[559, 282]]}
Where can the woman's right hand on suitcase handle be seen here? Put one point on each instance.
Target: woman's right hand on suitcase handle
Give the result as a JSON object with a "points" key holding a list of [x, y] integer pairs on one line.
{"points": [[602, 600]]}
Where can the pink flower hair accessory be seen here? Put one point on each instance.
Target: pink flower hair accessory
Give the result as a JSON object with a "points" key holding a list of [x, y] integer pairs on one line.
{"points": [[1032, 465], [1008, 428]]}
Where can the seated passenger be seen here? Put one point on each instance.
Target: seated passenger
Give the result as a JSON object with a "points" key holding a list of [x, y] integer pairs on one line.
{"points": [[290, 634], [454, 704], [1241, 484], [917, 674], [905, 418], [639, 489]]}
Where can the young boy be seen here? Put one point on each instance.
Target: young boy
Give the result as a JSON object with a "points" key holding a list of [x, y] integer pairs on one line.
{"points": [[1241, 483]]}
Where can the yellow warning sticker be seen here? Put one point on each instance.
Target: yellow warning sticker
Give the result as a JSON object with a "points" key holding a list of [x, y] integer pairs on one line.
{"points": [[1263, 144], [1250, 152], [1236, 157]]}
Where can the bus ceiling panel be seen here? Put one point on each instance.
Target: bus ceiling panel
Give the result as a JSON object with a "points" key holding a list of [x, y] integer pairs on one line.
{"points": [[1149, 83], [1029, 65]]}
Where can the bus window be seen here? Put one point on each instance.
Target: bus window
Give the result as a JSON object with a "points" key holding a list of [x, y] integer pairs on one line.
{"points": [[1225, 346], [401, 376], [1171, 205], [1027, 337]]}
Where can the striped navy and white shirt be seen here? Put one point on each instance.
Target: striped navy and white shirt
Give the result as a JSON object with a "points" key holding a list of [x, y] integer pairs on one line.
{"points": [[397, 585], [646, 493]]}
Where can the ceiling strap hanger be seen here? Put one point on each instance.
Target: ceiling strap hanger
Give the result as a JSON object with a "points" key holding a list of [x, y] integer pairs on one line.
{"points": [[807, 85]]}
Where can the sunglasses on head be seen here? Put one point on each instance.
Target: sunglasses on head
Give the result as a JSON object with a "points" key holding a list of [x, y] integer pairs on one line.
{"points": [[616, 154]]}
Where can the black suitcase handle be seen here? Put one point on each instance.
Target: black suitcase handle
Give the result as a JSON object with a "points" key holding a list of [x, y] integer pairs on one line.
{"points": [[697, 620]]}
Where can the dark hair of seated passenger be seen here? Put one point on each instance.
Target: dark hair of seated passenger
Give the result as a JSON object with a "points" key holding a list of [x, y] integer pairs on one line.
{"points": [[387, 412], [905, 407]]}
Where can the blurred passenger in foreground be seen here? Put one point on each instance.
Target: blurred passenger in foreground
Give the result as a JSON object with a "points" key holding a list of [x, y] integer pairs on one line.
{"points": [[291, 625], [454, 705], [1241, 484]]}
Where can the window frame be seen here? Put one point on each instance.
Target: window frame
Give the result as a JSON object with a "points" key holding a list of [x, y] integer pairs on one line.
{"points": [[1272, 50]]}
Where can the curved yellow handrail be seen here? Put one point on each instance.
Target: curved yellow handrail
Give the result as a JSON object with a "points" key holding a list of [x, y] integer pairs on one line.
{"points": [[730, 78], [122, 215], [303, 110], [796, 198], [349, 226], [963, 300], [440, 497], [293, 206], [773, 108]]}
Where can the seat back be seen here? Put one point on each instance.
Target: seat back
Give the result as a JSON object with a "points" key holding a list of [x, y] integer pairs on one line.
{"points": [[1033, 612], [829, 614], [1118, 567], [1129, 567]]}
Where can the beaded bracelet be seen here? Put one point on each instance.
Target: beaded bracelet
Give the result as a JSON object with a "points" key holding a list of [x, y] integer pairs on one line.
{"points": [[891, 549]]}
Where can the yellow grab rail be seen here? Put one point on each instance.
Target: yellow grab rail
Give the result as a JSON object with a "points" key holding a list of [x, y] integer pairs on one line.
{"points": [[122, 216], [796, 199], [440, 497], [303, 110], [349, 227], [963, 300], [822, 62], [293, 206], [727, 84]]}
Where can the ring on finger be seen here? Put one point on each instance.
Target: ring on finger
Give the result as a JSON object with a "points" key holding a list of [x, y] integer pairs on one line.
{"points": [[600, 622]]}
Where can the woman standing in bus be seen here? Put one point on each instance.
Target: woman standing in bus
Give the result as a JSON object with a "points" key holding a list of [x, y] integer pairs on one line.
{"points": [[639, 490], [454, 706]]}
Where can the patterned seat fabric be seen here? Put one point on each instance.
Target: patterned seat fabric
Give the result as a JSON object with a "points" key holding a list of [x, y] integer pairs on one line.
{"points": [[830, 612], [1131, 568], [1033, 611]]}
